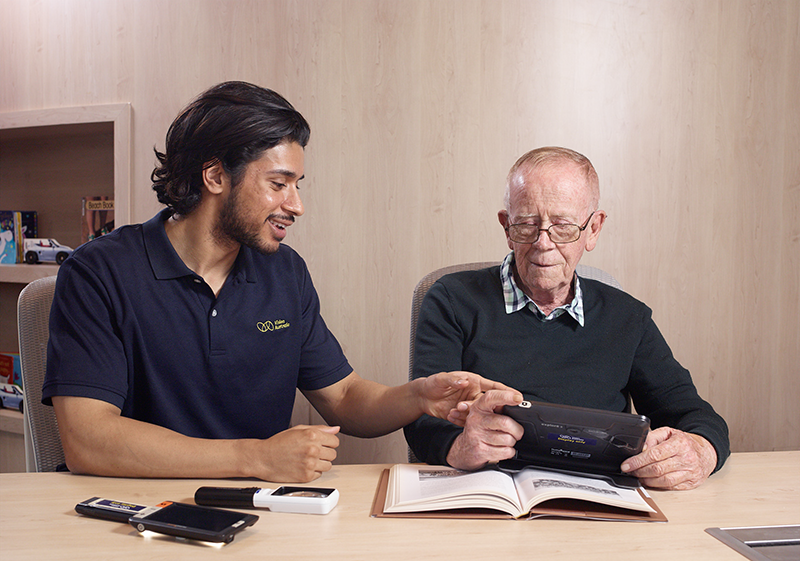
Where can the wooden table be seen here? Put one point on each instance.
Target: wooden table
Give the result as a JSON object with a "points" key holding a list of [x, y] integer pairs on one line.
{"points": [[38, 521]]}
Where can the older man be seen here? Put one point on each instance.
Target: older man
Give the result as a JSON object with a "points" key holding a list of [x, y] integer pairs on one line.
{"points": [[534, 325]]}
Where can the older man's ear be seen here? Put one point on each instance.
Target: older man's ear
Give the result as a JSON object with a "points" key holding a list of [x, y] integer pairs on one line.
{"points": [[595, 225]]}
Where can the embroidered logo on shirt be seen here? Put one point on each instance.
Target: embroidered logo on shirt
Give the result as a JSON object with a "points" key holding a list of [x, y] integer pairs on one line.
{"points": [[278, 324]]}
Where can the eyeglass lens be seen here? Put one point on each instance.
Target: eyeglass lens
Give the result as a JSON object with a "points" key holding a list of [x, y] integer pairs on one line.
{"points": [[559, 233]]}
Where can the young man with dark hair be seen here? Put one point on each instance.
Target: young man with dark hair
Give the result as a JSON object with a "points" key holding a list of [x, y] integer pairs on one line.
{"points": [[176, 345]]}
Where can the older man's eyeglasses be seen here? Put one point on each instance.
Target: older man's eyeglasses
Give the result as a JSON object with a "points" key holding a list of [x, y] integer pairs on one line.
{"points": [[559, 233]]}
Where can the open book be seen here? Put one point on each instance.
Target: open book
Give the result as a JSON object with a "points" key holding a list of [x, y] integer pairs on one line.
{"points": [[421, 491]]}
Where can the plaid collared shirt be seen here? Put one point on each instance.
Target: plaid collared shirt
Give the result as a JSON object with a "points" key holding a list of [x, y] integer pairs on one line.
{"points": [[517, 300]]}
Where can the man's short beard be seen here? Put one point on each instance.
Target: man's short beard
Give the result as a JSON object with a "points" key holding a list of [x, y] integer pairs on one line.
{"points": [[232, 228]]}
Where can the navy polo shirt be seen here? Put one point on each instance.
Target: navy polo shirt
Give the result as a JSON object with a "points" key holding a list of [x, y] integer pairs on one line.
{"points": [[132, 325]]}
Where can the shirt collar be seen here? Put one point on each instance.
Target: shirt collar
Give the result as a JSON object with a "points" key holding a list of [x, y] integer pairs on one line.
{"points": [[167, 264], [516, 300]]}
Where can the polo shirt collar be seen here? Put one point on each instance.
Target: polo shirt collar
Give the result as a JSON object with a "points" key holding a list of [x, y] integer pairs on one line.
{"points": [[167, 264], [516, 300]]}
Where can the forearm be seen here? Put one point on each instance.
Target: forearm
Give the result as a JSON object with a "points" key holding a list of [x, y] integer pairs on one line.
{"points": [[367, 409], [96, 441]]}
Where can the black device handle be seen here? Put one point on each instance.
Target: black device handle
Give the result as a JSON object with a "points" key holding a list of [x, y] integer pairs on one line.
{"points": [[229, 497]]}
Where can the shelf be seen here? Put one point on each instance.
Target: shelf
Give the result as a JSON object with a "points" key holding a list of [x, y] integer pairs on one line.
{"points": [[12, 442], [40, 146], [52, 123], [11, 421], [51, 159], [24, 274]]}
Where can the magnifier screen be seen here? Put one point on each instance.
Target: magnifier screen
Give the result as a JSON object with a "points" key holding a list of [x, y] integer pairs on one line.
{"points": [[200, 518]]}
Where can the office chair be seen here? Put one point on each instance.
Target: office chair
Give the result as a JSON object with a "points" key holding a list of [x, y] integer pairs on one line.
{"points": [[584, 271], [42, 440]]}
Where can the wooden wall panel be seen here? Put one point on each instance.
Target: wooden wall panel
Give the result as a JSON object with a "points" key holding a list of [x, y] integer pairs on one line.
{"points": [[688, 108]]}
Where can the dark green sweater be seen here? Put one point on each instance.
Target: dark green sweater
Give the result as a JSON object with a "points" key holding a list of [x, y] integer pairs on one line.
{"points": [[463, 325]]}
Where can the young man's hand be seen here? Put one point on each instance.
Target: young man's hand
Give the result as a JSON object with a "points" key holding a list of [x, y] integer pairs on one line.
{"points": [[443, 392]]}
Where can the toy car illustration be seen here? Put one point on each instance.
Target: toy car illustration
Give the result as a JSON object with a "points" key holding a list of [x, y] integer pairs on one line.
{"points": [[44, 249], [11, 397]]}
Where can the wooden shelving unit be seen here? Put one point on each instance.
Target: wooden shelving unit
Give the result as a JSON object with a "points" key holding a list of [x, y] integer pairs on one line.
{"points": [[12, 441], [49, 160]]}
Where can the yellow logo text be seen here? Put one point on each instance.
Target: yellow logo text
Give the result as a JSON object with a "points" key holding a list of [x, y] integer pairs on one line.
{"points": [[278, 324]]}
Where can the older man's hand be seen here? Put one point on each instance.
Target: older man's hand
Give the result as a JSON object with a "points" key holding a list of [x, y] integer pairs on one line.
{"points": [[672, 459], [488, 436]]}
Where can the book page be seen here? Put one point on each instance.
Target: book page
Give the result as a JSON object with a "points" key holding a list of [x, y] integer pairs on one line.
{"points": [[414, 488], [535, 486]]}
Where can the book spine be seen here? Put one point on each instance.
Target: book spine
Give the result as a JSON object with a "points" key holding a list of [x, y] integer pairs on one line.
{"points": [[15, 226], [8, 241], [20, 238]]}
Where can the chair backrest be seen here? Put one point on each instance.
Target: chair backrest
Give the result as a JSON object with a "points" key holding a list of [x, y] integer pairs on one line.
{"points": [[594, 273], [427, 281], [41, 428], [422, 289]]}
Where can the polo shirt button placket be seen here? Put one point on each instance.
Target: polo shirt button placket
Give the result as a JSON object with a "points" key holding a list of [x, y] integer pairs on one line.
{"points": [[215, 329]]}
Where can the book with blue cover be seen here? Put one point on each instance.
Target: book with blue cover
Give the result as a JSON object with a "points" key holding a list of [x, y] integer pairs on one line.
{"points": [[8, 239], [15, 226]]}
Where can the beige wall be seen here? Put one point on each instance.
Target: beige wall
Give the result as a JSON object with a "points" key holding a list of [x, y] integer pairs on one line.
{"points": [[688, 109]]}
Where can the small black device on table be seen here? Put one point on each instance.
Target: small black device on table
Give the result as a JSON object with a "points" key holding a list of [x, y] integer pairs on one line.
{"points": [[171, 518]]}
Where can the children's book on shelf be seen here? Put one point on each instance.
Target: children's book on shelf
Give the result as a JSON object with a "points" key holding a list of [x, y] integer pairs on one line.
{"points": [[15, 226], [10, 371], [8, 238], [97, 217]]}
